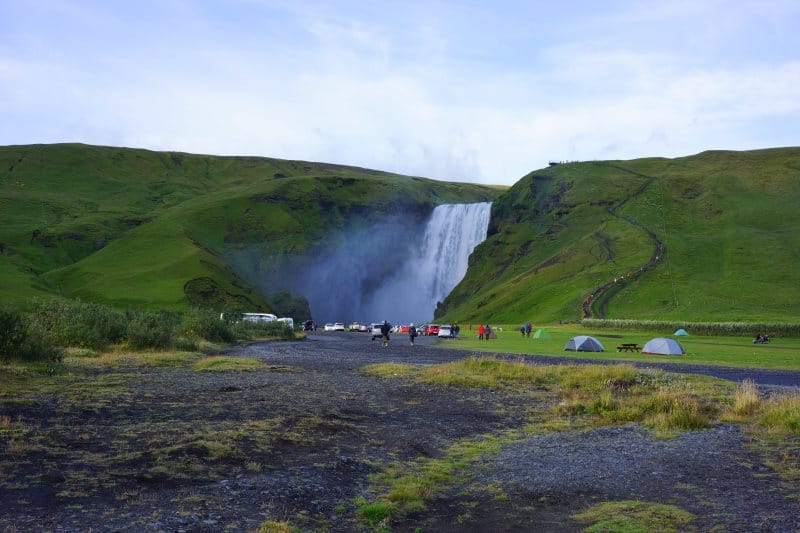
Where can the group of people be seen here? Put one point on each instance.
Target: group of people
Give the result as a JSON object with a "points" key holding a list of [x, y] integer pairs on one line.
{"points": [[525, 329], [485, 332], [761, 338]]}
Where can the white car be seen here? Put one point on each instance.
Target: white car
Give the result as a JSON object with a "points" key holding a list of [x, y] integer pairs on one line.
{"points": [[338, 326], [444, 331], [329, 327]]}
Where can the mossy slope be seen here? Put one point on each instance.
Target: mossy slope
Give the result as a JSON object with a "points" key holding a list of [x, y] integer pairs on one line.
{"points": [[729, 222], [166, 229]]}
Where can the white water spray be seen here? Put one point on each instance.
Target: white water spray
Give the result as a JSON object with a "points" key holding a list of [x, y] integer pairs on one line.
{"points": [[435, 267]]}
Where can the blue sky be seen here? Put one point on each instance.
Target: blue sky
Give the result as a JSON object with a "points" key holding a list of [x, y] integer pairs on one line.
{"points": [[466, 91]]}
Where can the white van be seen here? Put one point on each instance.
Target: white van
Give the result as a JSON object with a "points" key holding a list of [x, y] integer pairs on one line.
{"points": [[259, 317], [288, 321]]}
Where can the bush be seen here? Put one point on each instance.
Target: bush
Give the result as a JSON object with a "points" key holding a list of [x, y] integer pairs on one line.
{"points": [[16, 341], [273, 330], [733, 329], [150, 330], [205, 324], [75, 323], [12, 331]]}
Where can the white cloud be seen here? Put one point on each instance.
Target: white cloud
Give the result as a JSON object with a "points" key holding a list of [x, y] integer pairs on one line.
{"points": [[408, 93]]}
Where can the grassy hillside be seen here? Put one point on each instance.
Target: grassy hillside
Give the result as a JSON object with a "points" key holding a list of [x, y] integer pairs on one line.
{"points": [[728, 222], [165, 229]]}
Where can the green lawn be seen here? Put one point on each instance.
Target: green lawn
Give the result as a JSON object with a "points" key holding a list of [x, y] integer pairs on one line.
{"points": [[781, 353]]}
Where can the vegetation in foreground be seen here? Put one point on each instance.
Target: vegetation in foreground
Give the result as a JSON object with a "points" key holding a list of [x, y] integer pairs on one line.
{"points": [[581, 397], [52, 327], [634, 516]]}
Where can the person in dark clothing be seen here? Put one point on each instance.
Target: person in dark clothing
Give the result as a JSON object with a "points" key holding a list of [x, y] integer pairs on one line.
{"points": [[412, 333], [528, 328], [385, 329]]}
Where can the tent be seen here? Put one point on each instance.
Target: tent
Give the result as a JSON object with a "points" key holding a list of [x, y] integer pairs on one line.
{"points": [[664, 347], [584, 343], [681, 333], [541, 334]]}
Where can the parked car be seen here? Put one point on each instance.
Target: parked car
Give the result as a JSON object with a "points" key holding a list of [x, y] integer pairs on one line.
{"points": [[308, 325], [363, 328], [444, 331], [329, 327], [375, 329], [432, 329], [402, 329], [355, 326], [338, 326]]}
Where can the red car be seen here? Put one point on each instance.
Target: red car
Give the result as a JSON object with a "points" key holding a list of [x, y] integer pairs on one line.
{"points": [[433, 329], [403, 329]]}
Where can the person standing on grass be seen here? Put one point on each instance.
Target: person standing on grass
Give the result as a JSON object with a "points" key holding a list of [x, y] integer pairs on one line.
{"points": [[412, 333], [481, 331], [528, 328]]}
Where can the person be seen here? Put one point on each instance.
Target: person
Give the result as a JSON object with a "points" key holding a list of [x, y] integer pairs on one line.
{"points": [[522, 329], [481, 332], [385, 329], [528, 328], [452, 331], [456, 330], [487, 332], [412, 333]]}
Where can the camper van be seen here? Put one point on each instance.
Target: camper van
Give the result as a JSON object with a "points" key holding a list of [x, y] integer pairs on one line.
{"points": [[254, 317], [259, 317], [288, 321]]}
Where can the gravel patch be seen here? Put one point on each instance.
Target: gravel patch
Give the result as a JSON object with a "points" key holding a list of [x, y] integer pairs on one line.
{"points": [[91, 464]]}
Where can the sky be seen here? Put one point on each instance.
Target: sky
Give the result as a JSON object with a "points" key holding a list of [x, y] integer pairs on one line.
{"points": [[475, 91]]}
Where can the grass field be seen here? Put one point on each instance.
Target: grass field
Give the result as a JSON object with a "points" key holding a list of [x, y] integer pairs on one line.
{"points": [[781, 353]]}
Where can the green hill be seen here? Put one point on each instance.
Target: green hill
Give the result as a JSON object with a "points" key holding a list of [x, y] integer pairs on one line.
{"points": [[139, 228], [714, 236]]}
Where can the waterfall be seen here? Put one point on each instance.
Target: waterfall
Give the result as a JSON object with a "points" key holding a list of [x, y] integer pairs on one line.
{"points": [[434, 266]]}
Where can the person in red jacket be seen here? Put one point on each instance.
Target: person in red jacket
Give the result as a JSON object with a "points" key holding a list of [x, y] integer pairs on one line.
{"points": [[481, 331]]}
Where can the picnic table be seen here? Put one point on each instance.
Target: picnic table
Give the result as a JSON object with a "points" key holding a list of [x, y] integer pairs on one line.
{"points": [[628, 347]]}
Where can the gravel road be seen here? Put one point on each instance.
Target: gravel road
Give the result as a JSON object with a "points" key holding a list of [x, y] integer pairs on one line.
{"points": [[307, 430]]}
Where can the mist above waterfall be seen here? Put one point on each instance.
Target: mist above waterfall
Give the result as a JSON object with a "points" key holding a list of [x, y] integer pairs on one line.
{"points": [[395, 270]]}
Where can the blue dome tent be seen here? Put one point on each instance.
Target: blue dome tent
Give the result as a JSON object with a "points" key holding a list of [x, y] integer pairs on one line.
{"points": [[584, 343]]}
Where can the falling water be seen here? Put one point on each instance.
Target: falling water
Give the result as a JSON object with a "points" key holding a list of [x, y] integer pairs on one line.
{"points": [[435, 267]]}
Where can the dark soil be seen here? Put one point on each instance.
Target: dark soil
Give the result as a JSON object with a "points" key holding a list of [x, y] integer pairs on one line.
{"points": [[170, 449]]}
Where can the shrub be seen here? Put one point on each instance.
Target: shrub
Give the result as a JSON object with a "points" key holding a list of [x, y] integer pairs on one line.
{"points": [[745, 399], [781, 415], [75, 323], [150, 330], [17, 342], [205, 324], [12, 331], [745, 329], [274, 330]]}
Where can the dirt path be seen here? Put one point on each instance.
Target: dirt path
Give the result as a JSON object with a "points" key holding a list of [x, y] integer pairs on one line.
{"points": [[174, 450]]}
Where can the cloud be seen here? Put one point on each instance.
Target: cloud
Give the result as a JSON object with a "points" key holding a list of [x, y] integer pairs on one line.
{"points": [[432, 90]]}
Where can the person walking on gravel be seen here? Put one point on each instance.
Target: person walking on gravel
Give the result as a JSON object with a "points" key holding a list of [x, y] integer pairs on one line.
{"points": [[412, 333], [385, 328]]}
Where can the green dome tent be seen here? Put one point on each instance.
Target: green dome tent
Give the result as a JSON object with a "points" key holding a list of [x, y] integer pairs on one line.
{"points": [[541, 334]]}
